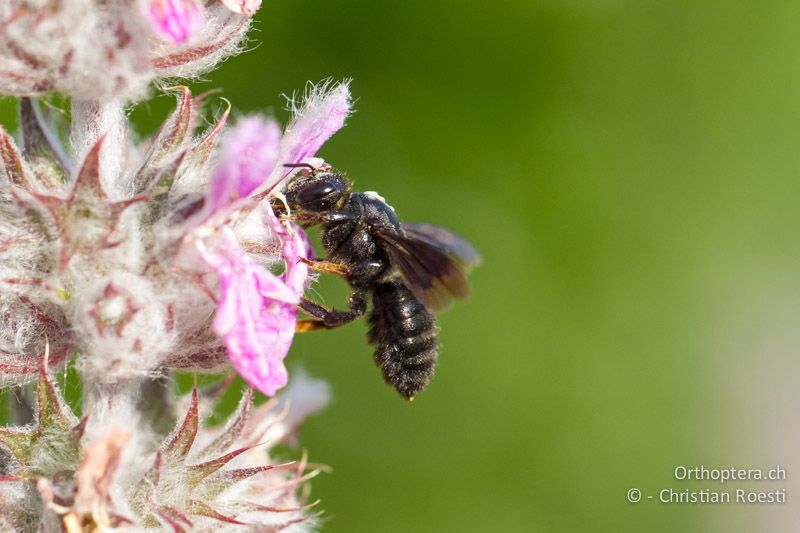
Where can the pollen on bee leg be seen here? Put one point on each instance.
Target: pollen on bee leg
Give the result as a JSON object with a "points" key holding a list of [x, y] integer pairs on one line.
{"points": [[327, 267], [304, 326], [278, 195]]}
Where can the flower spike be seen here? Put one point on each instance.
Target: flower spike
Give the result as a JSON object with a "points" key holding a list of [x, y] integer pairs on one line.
{"points": [[122, 260]]}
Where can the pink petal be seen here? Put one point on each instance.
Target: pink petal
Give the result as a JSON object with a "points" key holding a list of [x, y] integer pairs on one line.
{"points": [[249, 153], [244, 7], [295, 245], [175, 20], [322, 114], [256, 314]]}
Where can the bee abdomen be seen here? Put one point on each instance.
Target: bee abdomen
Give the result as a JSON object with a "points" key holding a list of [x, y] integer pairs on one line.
{"points": [[404, 334]]}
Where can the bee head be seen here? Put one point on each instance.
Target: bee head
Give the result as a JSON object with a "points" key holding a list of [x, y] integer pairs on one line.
{"points": [[317, 191]]}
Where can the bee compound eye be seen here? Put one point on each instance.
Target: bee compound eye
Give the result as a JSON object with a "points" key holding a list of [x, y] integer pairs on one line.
{"points": [[319, 194]]}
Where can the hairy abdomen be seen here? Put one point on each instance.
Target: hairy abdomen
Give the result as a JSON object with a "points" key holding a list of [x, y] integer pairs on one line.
{"points": [[404, 335]]}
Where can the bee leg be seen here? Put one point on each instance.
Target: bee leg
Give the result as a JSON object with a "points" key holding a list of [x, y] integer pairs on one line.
{"points": [[337, 216], [324, 218], [325, 318], [328, 267], [361, 272], [304, 326]]}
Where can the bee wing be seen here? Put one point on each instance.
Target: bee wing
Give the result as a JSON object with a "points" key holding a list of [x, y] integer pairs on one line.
{"points": [[433, 273], [455, 245]]}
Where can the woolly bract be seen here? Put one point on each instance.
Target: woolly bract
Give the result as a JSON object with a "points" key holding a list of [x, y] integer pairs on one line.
{"points": [[204, 479], [101, 50]]}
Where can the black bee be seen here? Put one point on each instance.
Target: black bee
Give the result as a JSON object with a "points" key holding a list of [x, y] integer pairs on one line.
{"points": [[409, 270]]}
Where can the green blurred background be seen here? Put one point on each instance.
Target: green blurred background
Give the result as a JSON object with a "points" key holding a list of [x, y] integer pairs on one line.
{"points": [[629, 172]]}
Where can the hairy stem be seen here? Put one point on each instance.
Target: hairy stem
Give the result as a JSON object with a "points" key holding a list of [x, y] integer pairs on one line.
{"points": [[111, 404], [107, 401]]}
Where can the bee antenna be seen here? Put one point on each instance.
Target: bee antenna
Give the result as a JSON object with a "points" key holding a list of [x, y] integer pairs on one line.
{"points": [[300, 165]]}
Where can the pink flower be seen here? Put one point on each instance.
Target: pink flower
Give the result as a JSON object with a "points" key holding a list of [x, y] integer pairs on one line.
{"points": [[257, 310], [254, 153], [323, 113], [175, 20], [248, 156]]}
